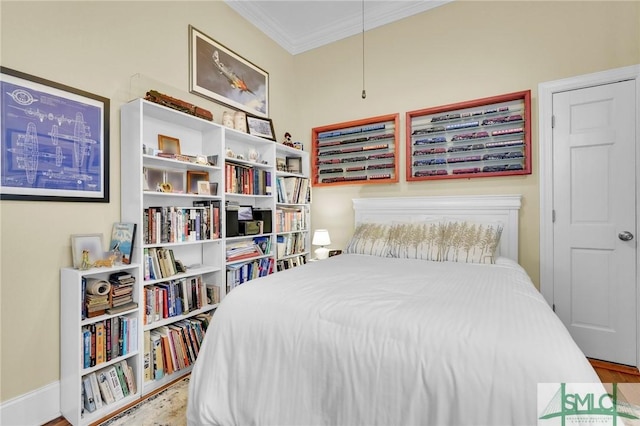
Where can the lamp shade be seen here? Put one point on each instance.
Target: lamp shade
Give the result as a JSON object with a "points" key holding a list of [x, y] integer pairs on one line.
{"points": [[321, 238]]}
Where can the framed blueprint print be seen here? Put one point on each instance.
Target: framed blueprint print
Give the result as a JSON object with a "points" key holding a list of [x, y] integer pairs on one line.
{"points": [[54, 144]]}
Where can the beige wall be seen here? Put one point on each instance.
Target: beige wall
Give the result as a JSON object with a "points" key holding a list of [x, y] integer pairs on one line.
{"points": [[460, 51]]}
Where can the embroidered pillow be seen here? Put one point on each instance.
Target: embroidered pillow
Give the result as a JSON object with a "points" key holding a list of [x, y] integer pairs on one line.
{"points": [[419, 240], [371, 239], [470, 242]]}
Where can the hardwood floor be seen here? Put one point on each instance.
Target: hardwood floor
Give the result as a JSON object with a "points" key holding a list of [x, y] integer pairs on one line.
{"points": [[608, 373]]}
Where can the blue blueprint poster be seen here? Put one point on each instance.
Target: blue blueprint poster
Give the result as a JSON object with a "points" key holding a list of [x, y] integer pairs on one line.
{"points": [[53, 142]]}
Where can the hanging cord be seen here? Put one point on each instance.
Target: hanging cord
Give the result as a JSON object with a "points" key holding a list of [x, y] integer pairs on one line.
{"points": [[364, 92]]}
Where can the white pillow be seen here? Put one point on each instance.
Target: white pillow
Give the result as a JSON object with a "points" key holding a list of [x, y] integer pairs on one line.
{"points": [[371, 239], [417, 240], [470, 242]]}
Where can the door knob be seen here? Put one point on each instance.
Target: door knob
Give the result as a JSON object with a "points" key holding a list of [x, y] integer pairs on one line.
{"points": [[625, 236]]}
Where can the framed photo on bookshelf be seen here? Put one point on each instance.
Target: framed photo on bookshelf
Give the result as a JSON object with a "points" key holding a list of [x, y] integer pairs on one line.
{"points": [[204, 187], [168, 144], [41, 162], [86, 248], [262, 127], [193, 177], [294, 164], [122, 237]]}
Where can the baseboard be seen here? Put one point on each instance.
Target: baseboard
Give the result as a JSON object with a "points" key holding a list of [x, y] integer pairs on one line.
{"points": [[34, 408]]}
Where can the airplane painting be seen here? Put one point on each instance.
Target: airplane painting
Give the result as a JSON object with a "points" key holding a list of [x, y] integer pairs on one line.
{"points": [[221, 75]]}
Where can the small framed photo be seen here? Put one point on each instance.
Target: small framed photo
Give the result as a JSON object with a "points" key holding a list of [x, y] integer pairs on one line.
{"points": [[213, 188], [294, 164], [193, 177], [281, 164], [168, 145], [87, 246], [204, 188], [262, 127]]}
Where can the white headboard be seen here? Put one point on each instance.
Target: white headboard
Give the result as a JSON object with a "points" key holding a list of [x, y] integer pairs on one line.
{"points": [[480, 208]]}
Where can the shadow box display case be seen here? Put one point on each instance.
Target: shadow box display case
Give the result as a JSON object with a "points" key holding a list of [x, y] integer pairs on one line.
{"points": [[356, 152], [483, 137]]}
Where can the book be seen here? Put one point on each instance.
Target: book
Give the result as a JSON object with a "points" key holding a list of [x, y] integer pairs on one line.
{"points": [[114, 383], [122, 238], [95, 388], [105, 389], [121, 308], [147, 355], [129, 377], [89, 401]]}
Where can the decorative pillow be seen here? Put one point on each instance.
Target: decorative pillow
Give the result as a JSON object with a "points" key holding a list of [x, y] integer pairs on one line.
{"points": [[371, 239], [470, 242], [420, 240]]}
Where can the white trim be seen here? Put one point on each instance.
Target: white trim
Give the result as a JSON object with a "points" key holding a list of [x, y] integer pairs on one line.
{"points": [[545, 112], [33, 408], [484, 208]]}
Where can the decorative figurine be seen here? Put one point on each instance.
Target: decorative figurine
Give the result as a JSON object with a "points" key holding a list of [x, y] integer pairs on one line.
{"points": [[240, 121], [86, 264], [253, 155], [227, 120], [287, 140], [109, 261]]}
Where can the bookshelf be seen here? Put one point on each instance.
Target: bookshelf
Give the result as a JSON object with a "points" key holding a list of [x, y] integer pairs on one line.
{"points": [[119, 348], [179, 220], [293, 203], [174, 197]]}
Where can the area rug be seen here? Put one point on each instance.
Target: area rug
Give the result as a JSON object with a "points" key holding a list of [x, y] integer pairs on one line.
{"points": [[166, 408]]}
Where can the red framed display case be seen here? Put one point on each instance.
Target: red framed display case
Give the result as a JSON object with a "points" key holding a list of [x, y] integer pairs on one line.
{"points": [[356, 152], [483, 137]]}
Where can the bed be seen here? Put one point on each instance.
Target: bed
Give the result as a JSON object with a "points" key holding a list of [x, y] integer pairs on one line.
{"points": [[386, 334]]}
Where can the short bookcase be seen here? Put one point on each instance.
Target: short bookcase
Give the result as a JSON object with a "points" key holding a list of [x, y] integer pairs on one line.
{"points": [[72, 370]]}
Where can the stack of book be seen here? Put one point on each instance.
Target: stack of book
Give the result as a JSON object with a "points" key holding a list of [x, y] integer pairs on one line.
{"points": [[243, 250], [96, 296], [121, 292]]}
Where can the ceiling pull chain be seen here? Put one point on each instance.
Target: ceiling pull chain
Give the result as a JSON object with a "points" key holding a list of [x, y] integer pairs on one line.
{"points": [[364, 92]]}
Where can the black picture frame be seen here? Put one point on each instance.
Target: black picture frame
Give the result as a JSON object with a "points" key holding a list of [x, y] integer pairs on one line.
{"points": [[54, 141], [262, 127], [219, 74]]}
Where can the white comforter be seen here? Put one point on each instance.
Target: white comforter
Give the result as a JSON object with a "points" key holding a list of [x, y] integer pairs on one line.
{"points": [[362, 340]]}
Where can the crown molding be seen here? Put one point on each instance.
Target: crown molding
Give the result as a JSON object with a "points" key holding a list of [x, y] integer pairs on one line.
{"points": [[376, 14]]}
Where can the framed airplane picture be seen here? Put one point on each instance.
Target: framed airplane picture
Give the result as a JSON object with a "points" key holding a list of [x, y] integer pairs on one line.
{"points": [[219, 74]]}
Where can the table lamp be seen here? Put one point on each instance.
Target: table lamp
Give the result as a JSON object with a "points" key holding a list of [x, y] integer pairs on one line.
{"points": [[321, 238]]}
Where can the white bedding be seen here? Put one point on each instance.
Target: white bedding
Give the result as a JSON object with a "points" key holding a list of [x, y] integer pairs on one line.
{"points": [[363, 340]]}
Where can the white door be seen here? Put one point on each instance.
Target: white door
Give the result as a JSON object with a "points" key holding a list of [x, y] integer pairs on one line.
{"points": [[594, 232]]}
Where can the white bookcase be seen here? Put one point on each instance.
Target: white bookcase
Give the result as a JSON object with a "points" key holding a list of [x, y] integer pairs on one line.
{"points": [[205, 258], [72, 323]]}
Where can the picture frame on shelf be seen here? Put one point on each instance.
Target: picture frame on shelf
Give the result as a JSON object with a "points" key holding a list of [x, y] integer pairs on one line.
{"points": [[193, 177], [123, 235], [221, 75], [294, 164], [281, 164], [262, 127], [176, 179], [213, 188], [204, 187], [169, 145], [42, 162], [91, 243]]}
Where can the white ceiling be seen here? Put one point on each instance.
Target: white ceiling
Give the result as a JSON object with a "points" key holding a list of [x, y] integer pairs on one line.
{"points": [[301, 25]]}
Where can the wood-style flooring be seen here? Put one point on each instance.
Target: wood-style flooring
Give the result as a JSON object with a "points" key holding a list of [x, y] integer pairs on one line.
{"points": [[608, 373]]}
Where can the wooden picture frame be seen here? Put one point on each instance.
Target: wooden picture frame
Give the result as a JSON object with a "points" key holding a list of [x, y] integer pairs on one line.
{"points": [[92, 243], [43, 161], [478, 138], [204, 187], [193, 177], [168, 144], [294, 165], [220, 74], [262, 127], [358, 152]]}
